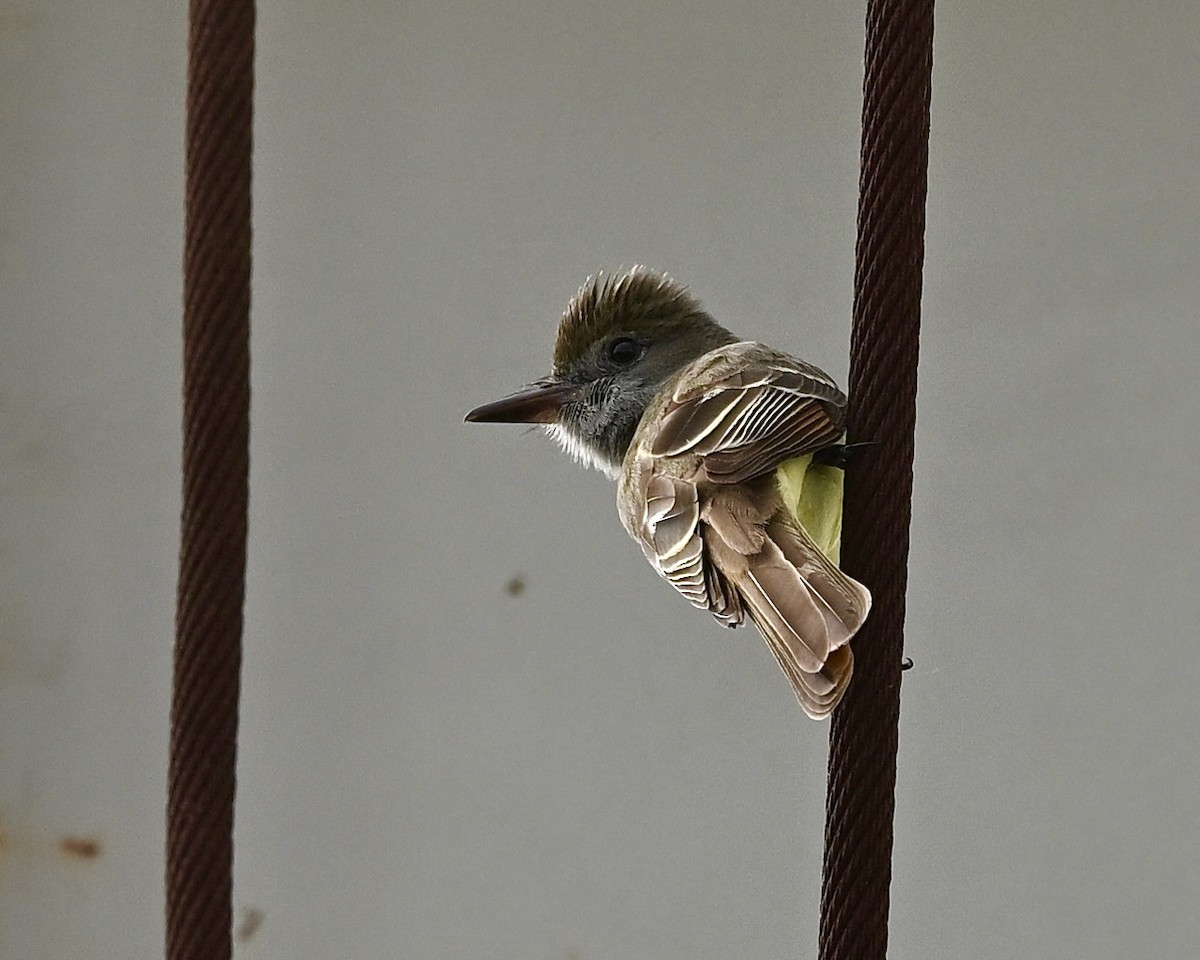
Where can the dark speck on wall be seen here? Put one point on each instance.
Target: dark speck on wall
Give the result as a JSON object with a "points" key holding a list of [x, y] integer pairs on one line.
{"points": [[252, 919], [81, 848]]}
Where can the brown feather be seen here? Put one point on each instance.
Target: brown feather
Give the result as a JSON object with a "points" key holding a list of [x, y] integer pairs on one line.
{"points": [[746, 420], [698, 493]]}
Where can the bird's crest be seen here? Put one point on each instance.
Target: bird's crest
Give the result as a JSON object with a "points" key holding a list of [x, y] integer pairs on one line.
{"points": [[618, 303]]}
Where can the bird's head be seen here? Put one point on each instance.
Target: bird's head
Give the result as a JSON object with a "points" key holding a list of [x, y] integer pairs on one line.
{"points": [[621, 338]]}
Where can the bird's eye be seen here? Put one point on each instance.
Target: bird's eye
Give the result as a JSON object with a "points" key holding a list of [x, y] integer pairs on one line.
{"points": [[624, 350]]}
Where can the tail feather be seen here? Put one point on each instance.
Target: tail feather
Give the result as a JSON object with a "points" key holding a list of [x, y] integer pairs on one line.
{"points": [[817, 699], [847, 599], [805, 608]]}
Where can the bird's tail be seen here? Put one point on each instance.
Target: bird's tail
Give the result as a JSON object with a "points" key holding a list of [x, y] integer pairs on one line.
{"points": [[807, 610]]}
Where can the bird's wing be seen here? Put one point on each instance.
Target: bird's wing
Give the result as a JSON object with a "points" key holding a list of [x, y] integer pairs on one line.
{"points": [[725, 555], [742, 410], [745, 409], [668, 531]]}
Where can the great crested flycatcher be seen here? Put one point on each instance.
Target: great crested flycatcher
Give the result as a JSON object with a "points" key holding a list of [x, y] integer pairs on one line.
{"points": [[727, 456]]}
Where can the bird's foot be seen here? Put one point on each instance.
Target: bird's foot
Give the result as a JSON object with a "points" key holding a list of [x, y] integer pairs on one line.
{"points": [[840, 455]]}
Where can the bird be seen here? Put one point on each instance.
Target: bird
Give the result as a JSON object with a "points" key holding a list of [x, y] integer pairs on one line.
{"points": [[728, 457]]}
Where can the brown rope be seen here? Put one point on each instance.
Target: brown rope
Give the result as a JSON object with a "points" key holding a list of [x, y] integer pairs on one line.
{"points": [[216, 404], [883, 388]]}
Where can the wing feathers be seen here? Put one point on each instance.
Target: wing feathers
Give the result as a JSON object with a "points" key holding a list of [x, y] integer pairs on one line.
{"points": [[724, 601], [745, 421], [670, 537], [731, 560], [734, 548]]}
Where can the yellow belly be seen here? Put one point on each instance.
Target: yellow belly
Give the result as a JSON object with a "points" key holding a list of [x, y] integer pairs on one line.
{"points": [[813, 496]]}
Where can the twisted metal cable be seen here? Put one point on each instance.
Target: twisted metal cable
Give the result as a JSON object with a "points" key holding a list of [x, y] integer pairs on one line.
{"points": [[875, 536], [216, 403]]}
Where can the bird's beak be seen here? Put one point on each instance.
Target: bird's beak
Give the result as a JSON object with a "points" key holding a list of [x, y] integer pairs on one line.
{"points": [[539, 403]]}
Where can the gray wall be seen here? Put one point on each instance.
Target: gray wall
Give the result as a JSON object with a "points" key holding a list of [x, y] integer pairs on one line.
{"points": [[434, 768]]}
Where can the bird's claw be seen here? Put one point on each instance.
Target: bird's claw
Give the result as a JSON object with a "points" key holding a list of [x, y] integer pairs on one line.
{"points": [[841, 454]]}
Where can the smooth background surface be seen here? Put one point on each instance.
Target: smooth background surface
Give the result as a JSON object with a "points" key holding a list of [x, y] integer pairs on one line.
{"points": [[434, 768]]}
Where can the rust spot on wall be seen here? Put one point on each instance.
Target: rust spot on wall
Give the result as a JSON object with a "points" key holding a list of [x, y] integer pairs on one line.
{"points": [[252, 919], [80, 848]]}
